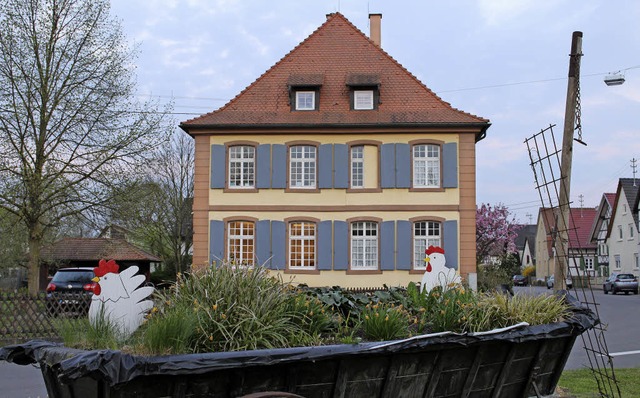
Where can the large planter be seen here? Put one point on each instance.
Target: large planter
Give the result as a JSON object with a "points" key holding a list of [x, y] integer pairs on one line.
{"points": [[520, 361]]}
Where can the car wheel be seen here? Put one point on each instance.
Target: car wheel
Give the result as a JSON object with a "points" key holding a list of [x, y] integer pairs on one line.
{"points": [[613, 291], [635, 291], [604, 289]]}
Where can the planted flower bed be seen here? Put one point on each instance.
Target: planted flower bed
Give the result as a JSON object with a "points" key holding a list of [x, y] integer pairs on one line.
{"points": [[421, 358]]}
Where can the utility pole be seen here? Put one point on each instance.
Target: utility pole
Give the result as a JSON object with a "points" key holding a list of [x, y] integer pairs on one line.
{"points": [[562, 218]]}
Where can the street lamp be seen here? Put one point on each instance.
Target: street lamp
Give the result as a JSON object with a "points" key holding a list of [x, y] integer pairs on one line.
{"points": [[614, 79]]}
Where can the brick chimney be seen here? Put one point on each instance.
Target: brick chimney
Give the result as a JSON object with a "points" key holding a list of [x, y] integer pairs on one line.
{"points": [[374, 28]]}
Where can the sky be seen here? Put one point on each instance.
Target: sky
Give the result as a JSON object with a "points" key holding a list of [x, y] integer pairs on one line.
{"points": [[504, 60]]}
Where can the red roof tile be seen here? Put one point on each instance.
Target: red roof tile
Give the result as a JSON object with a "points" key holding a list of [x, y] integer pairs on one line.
{"points": [[335, 52], [78, 249]]}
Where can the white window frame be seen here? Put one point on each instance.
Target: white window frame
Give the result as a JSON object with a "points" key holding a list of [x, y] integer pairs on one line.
{"points": [[305, 100], [241, 242], [426, 166], [631, 232], [242, 160], [302, 166], [357, 166], [617, 264], [425, 234], [364, 245], [363, 99], [620, 236], [302, 238]]}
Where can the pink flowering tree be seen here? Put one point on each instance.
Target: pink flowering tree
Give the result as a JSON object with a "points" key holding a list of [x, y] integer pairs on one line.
{"points": [[496, 231]]}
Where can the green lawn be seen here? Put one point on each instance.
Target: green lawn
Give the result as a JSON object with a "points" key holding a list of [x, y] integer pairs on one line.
{"points": [[581, 383]]}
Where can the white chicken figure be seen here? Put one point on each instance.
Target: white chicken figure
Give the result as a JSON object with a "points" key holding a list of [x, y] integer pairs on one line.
{"points": [[118, 299], [437, 273]]}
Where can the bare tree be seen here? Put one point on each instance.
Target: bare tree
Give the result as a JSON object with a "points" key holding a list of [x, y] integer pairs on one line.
{"points": [[70, 125], [158, 210]]}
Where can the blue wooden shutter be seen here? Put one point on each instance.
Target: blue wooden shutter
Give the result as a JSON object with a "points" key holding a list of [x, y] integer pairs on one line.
{"points": [[387, 245], [279, 166], [263, 166], [450, 241], [323, 245], [450, 165], [340, 245], [388, 166], [278, 243], [404, 245], [218, 169], [403, 166], [263, 243], [216, 241], [341, 166], [325, 166]]}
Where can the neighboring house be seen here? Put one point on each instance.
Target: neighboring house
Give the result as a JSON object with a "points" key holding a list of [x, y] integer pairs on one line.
{"points": [[622, 236], [581, 250], [526, 245], [600, 230], [337, 166], [87, 252]]}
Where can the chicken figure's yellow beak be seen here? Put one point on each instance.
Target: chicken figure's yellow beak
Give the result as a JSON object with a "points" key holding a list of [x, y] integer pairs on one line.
{"points": [[427, 259], [95, 279]]}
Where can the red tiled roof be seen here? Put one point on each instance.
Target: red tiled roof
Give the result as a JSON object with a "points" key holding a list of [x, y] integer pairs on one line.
{"points": [[611, 198], [335, 53], [95, 249], [580, 223]]}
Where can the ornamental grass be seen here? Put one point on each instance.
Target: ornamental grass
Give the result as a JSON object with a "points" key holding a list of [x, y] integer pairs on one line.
{"points": [[230, 308]]}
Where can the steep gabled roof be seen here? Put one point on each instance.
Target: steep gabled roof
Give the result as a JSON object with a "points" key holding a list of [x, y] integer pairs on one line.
{"points": [[605, 206], [89, 249], [579, 232], [336, 55], [629, 187]]}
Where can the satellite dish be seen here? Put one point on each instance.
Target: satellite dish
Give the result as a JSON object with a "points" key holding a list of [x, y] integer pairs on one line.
{"points": [[614, 79]]}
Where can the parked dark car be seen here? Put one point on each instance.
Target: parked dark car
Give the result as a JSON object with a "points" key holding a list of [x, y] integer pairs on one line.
{"points": [[520, 280], [70, 291], [551, 280], [621, 283]]}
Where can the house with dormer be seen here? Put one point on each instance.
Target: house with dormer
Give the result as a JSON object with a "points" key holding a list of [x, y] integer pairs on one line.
{"points": [[337, 166], [622, 235]]}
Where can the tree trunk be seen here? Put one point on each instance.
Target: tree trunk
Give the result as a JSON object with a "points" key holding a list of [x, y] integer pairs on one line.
{"points": [[34, 264]]}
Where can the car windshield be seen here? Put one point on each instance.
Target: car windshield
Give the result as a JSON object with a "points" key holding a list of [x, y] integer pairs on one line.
{"points": [[73, 276], [625, 276]]}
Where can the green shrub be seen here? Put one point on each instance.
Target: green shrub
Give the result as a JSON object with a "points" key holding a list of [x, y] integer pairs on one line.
{"points": [[169, 330]]}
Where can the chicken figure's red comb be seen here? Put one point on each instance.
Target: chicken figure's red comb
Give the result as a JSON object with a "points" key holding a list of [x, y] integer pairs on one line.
{"points": [[434, 249], [104, 267]]}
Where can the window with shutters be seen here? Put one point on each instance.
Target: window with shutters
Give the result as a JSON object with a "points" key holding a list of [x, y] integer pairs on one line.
{"points": [[241, 242], [357, 166], [425, 234], [364, 245], [426, 166], [302, 245], [242, 172], [302, 167]]}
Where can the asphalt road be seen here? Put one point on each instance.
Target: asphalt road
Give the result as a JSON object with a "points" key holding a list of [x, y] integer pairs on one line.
{"points": [[621, 314]]}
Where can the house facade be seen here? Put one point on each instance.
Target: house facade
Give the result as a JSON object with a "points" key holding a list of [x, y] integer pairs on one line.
{"points": [[526, 245], [622, 235], [581, 253], [599, 233], [336, 167]]}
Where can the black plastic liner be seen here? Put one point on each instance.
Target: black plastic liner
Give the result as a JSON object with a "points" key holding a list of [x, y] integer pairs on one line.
{"points": [[535, 354]]}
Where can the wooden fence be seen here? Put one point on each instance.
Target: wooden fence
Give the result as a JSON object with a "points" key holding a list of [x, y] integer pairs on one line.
{"points": [[24, 317]]}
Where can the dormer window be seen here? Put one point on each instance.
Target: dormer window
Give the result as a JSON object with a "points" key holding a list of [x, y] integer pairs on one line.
{"points": [[304, 92], [362, 99], [365, 91], [305, 100]]}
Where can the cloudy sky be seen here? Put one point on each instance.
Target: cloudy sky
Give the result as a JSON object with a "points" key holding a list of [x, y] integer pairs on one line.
{"points": [[505, 60]]}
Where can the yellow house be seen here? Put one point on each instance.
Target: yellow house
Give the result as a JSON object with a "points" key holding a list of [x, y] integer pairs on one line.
{"points": [[337, 166]]}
